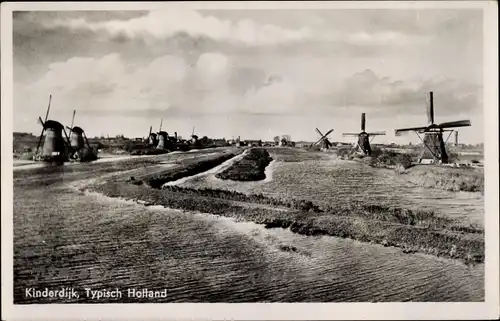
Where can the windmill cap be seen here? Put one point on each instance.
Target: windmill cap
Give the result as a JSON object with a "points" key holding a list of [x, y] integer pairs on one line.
{"points": [[52, 124], [77, 130]]}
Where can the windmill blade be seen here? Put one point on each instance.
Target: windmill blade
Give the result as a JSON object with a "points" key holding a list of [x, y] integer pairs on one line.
{"points": [[73, 118], [86, 140], [458, 123], [328, 133], [161, 123], [43, 124], [48, 109], [317, 130], [430, 108], [397, 132], [68, 143], [350, 134], [41, 134], [376, 134], [363, 121]]}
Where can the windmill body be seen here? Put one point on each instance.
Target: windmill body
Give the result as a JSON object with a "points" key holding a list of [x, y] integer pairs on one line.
{"points": [[434, 145], [364, 143], [80, 148], [162, 139], [152, 139], [76, 138], [53, 144], [364, 137]]}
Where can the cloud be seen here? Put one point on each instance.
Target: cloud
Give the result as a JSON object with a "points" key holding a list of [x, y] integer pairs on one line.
{"points": [[409, 97], [217, 84], [163, 24]]}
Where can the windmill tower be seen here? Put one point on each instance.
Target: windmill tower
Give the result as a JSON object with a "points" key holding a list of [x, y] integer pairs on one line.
{"points": [[194, 138], [364, 137], [285, 140], [276, 140], [152, 139], [80, 146], [162, 139], [54, 147], [324, 139], [434, 146]]}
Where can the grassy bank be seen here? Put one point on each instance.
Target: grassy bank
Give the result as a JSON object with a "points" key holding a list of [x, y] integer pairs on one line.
{"points": [[413, 231], [447, 178], [250, 168]]}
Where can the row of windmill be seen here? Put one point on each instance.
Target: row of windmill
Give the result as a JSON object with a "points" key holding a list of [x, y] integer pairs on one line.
{"points": [[434, 146], [60, 148], [56, 145], [162, 140]]}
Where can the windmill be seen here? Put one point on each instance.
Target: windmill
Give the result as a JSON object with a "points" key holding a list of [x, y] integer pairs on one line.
{"points": [[434, 145], [194, 138], [324, 139], [285, 140], [54, 146], [80, 146], [152, 137], [162, 137], [456, 138], [364, 137]]}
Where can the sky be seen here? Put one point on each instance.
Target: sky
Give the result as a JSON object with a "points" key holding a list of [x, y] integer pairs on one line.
{"points": [[250, 73]]}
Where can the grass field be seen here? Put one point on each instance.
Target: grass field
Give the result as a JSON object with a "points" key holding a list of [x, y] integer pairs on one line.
{"points": [[369, 220]]}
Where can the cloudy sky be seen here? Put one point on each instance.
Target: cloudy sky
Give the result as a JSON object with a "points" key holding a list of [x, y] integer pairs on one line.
{"points": [[251, 73]]}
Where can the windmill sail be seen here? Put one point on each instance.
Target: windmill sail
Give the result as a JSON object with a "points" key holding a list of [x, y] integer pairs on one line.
{"points": [[376, 133], [363, 122], [409, 129], [430, 108], [323, 137], [43, 124], [458, 123]]}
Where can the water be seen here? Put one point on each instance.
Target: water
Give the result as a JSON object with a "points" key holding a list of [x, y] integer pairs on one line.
{"points": [[63, 237]]}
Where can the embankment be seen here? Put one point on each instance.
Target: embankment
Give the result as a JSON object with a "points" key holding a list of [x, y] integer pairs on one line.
{"points": [[250, 168], [447, 178], [412, 231], [454, 179]]}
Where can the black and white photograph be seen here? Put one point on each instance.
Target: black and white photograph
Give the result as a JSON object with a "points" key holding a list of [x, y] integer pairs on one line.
{"points": [[192, 153]]}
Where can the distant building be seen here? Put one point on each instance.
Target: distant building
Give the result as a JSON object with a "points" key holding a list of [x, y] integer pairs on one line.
{"points": [[253, 143], [302, 144]]}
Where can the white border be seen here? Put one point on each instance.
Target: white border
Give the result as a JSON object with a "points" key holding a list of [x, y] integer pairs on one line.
{"points": [[276, 311]]}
